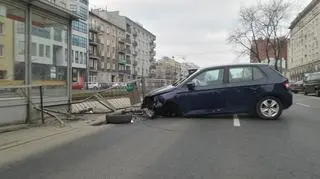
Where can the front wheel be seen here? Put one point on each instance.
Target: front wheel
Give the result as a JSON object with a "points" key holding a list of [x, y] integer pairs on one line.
{"points": [[318, 92], [269, 108]]}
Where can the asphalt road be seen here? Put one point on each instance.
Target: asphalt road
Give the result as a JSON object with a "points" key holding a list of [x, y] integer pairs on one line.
{"points": [[221, 147]]}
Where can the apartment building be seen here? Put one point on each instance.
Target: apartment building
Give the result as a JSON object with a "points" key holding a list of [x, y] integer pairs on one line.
{"points": [[143, 47], [166, 68], [6, 52], [79, 36], [303, 53], [107, 50]]}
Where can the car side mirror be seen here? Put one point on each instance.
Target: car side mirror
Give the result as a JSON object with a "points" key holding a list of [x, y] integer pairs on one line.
{"points": [[191, 85]]}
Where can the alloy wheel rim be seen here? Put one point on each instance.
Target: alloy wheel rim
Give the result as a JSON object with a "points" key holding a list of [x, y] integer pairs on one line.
{"points": [[269, 108]]}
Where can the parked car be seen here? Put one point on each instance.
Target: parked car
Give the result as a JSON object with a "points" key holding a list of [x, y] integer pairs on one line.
{"points": [[256, 89], [297, 87], [312, 84], [79, 84], [94, 85]]}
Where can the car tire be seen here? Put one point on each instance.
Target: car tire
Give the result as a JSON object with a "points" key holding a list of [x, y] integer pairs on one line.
{"points": [[305, 93], [269, 108], [118, 119], [318, 92]]}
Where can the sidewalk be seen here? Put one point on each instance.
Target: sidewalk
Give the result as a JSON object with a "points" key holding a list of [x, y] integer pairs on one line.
{"points": [[17, 145]]}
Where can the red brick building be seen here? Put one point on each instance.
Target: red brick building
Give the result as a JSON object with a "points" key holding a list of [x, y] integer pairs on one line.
{"points": [[262, 51]]}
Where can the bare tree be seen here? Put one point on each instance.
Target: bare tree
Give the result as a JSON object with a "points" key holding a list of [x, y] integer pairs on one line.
{"points": [[263, 24]]}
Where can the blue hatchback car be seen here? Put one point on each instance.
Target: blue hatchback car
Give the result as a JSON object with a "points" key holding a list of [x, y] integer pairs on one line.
{"points": [[256, 89]]}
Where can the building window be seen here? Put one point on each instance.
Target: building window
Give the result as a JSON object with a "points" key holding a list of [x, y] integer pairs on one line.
{"points": [[85, 58], [72, 56], [1, 28], [66, 55], [58, 35], [83, 12], [1, 50], [81, 57], [34, 49], [79, 41], [48, 51], [79, 26], [84, 2], [77, 57], [41, 50], [21, 48]]}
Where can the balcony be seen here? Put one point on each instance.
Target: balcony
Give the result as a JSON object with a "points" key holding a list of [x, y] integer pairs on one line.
{"points": [[135, 43], [128, 61], [129, 29], [122, 61], [93, 42], [122, 50], [128, 40], [121, 40], [135, 53], [152, 53], [94, 55], [135, 34], [153, 45], [128, 51], [125, 71], [93, 28]]}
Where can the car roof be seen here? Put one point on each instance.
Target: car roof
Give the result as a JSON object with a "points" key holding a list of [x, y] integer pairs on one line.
{"points": [[234, 65]]}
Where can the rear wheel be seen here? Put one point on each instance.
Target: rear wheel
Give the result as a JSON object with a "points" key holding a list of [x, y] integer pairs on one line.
{"points": [[318, 92], [269, 108], [305, 93]]}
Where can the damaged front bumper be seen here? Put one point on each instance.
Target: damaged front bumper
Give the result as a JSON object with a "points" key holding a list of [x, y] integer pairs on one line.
{"points": [[154, 103]]}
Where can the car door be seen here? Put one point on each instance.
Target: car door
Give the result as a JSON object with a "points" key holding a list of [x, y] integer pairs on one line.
{"points": [[245, 85], [208, 95]]}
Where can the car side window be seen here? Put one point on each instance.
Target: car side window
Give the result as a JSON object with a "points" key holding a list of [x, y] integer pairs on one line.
{"points": [[257, 74], [240, 74], [209, 77]]}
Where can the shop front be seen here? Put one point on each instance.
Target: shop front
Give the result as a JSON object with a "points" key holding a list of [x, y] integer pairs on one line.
{"points": [[34, 43]]}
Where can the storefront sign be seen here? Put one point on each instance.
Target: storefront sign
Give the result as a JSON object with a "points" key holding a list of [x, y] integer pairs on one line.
{"points": [[53, 72], [3, 11]]}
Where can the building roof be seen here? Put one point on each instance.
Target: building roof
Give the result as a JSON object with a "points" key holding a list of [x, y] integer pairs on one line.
{"points": [[104, 19], [140, 26], [304, 12], [52, 8]]}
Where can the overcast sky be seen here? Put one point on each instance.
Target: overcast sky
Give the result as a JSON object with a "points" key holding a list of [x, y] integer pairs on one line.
{"points": [[196, 30]]}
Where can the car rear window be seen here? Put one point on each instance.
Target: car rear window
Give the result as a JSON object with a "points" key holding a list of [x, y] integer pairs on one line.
{"points": [[243, 74]]}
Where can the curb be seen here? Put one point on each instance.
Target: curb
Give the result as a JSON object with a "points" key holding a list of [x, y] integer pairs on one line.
{"points": [[5, 147], [13, 128]]}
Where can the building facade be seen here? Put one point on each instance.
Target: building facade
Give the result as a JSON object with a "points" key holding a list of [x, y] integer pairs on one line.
{"points": [[142, 45], [80, 44], [166, 68], [139, 45], [113, 66], [304, 46], [34, 36], [267, 52]]}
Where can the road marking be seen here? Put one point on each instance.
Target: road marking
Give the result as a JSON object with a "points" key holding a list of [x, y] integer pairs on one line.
{"points": [[236, 121], [303, 105]]}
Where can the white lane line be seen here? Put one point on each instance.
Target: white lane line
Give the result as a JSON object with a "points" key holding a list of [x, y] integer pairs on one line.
{"points": [[236, 121], [301, 104]]}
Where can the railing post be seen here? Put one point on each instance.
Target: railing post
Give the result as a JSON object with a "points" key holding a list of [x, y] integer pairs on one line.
{"points": [[41, 104]]}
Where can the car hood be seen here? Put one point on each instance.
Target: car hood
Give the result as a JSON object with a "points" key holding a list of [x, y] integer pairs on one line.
{"points": [[161, 90]]}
